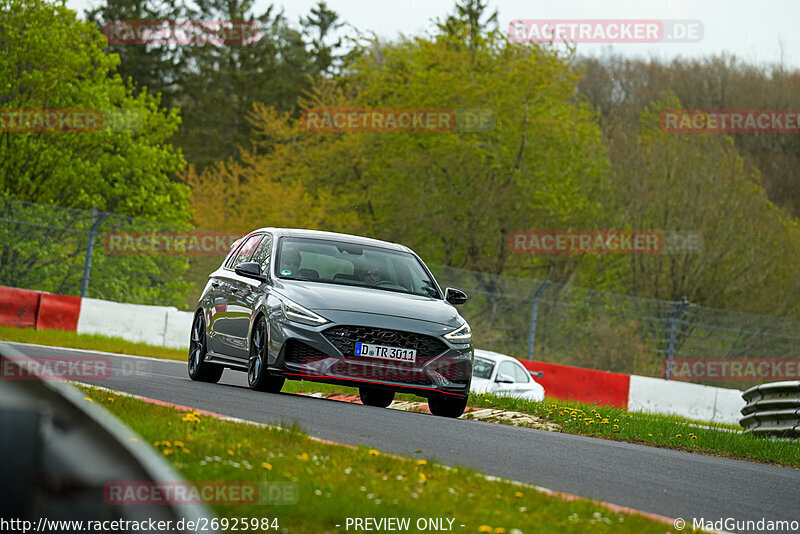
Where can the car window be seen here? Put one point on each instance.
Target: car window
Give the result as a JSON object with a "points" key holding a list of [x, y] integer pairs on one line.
{"points": [[482, 368], [344, 263], [264, 253], [244, 253], [521, 374], [507, 368]]}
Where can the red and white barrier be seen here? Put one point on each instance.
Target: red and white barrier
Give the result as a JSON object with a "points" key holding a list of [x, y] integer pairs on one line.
{"points": [[639, 393], [169, 327]]}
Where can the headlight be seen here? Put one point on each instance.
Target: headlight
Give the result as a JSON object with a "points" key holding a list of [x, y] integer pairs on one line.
{"points": [[295, 312], [462, 334]]}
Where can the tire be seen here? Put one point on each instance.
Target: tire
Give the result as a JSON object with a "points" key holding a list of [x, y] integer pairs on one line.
{"points": [[199, 369], [447, 407], [258, 378], [379, 398]]}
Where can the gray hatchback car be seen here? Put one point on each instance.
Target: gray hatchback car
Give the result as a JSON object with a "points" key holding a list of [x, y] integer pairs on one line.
{"points": [[335, 308]]}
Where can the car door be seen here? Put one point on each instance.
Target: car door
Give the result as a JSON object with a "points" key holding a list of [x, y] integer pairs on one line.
{"points": [[245, 296], [216, 302], [524, 386], [231, 327]]}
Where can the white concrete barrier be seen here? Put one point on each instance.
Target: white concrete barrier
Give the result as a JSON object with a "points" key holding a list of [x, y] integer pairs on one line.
{"points": [[155, 325], [685, 399]]}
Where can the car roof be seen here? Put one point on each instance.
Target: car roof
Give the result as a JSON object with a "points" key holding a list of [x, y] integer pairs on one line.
{"points": [[496, 356], [333, 236]]}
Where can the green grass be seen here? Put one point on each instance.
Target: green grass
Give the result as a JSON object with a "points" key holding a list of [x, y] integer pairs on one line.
{"points": [[664, 431], [74, 340], [335, 482]]}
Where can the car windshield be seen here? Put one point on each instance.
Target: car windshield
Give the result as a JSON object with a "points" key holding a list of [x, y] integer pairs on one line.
{"points": [[482, 368], [348, 264]]}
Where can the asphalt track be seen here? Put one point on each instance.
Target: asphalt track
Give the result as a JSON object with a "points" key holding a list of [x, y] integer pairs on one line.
{"points": [[660, 481]]}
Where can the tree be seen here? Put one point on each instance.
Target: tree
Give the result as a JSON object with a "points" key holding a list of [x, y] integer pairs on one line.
{"points": [[53, 61], [318, 25]]}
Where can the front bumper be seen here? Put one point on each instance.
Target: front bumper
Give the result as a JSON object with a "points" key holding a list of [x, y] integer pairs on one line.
{"points": [[326, 354]]}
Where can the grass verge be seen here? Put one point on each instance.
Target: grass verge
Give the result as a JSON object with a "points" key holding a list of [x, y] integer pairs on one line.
{"points": [[73, 340], [664, 431], [336, 482]]}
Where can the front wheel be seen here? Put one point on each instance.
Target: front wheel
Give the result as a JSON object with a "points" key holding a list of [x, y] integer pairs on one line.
{"points": [[258, 378], [376, 397], [199, 369], [447, 407]]}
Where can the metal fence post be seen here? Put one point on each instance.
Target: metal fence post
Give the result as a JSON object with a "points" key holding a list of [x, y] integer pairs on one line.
{"points": [[98, 218], [534, 314], [677, 311]]}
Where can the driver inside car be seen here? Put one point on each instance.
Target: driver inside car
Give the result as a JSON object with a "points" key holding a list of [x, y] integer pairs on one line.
{"points": [[370, 275]]}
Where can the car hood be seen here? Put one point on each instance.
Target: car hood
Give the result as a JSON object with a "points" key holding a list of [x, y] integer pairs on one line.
{"points": [[320, 297]]}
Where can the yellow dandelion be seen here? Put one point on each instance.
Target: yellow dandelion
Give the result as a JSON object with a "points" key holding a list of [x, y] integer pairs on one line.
{"points": [[88, 399], [499, 530], [185, 450], [518, 495], [373, 452], [167, 452], [694, 437], [267, 466], [678, 436], [238, 445], [616, 427], [616, 420], [111, 399], [650, 435], [156, 443], [166, 443], [230, 452], [422, 477], [179, 444], [484, 528], [304, 457], [422, 462]]}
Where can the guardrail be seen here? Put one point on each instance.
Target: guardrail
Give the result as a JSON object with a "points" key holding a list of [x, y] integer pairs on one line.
{"points": [[772, 409]]}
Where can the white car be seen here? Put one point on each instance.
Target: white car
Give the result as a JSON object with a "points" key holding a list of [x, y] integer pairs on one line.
{"points": [[504, 376]]}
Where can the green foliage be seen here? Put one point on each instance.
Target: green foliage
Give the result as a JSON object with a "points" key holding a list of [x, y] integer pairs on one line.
{"points": [[51, 60]]}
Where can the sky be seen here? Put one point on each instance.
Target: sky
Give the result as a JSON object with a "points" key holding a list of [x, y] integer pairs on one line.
{"points": [[762, 32]]}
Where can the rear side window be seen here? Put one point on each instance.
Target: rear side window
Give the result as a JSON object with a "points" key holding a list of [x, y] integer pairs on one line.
{"points": [[507, 368], [521, 374], [244, 252]]}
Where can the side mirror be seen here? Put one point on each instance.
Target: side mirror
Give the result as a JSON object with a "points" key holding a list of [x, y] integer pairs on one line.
{"points": [[536, 374], [455, 296], [504, 379], [250, 269]]}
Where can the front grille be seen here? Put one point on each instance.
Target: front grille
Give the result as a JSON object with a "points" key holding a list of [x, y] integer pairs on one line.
{"points": [[299, 352], [344, 338]]}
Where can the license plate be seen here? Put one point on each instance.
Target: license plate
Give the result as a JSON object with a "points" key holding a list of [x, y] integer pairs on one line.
{"points": [[386, 353]]}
